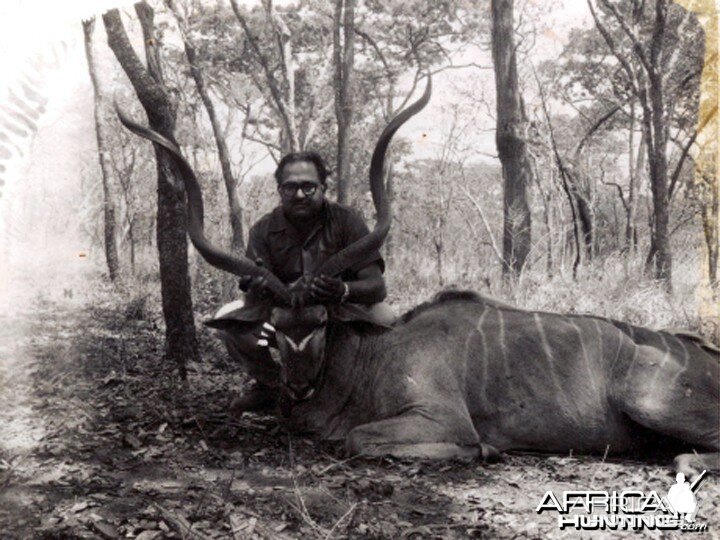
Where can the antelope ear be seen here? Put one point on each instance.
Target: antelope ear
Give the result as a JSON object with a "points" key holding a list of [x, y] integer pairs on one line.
{"points": [[362, 317], [242, 319]]}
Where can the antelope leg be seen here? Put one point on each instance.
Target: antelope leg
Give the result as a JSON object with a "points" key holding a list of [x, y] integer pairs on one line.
{"points": [[424, 433]]}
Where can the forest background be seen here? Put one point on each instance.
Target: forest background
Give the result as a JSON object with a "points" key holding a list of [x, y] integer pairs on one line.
{"points": [[566, 162], [272, 75]]}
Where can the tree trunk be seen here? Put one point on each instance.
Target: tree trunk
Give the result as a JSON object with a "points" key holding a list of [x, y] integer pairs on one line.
{"points": [[545, 198], [632, 174], [111, 253], [655, 126], [343, 55], [438, 243], [647, 83], [131, 238], [180, 339], [222, 148], [510, 144], [657, 158], [710, 209], [585, 216]]}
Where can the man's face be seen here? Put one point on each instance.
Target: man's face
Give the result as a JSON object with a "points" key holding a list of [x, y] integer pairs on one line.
{"points": [[301, 192]]}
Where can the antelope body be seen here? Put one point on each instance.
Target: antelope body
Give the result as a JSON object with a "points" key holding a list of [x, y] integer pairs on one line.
{"points": [[465, 374]]}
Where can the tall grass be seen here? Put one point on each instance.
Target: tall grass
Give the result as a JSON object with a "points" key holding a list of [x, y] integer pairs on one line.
{"points": [[614, 285]]}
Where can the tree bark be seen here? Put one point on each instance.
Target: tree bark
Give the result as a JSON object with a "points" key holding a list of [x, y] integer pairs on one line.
{"points": [[585, 213], [180, 338], [510, 143], [109, 225], [221, 144], [648, 84], [343, 54], [657, 152], [131, 239], [633, 174]]}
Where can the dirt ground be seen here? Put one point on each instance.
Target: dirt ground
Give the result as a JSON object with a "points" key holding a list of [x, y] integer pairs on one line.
{"points": [[99, 440]]}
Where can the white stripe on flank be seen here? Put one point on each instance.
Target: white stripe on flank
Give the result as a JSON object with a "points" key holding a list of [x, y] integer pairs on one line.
{"points": [[591, 373], [686, 359], [478, 326], [600, 339], [620, 336], [543, 338], [484, 359], [686, 353], [503, 348], [631, 365], [547, 350]]}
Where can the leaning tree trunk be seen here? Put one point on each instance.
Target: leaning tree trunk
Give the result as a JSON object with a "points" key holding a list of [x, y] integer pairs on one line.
{"points": [[111, 253], [222, 148], [181, 342], [510, 143], [585, 218], [343, 54]]}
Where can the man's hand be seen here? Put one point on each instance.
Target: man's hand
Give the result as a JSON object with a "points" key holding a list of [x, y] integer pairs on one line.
{"points": [[255, 286], [327, 290]]}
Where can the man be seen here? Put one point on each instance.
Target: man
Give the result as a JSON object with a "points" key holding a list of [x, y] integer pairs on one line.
{"points": [[292, 241]]}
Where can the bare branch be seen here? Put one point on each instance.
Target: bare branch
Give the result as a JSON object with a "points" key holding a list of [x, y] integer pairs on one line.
{"points": [[484, 219], [620, 193], [610, 42], [563, 174], [600, 121], [637, 46], [686, 149], [272, 83], [461, 66]]}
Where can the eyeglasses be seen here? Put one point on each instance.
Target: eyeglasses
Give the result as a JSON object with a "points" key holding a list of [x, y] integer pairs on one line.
{"points": [[289, 189]]}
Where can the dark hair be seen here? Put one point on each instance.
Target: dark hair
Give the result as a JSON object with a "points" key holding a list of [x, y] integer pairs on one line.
{"points": [[313, 157]]}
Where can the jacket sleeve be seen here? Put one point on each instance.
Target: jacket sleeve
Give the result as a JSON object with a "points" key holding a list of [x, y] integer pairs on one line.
{"points": [[257, 247]]}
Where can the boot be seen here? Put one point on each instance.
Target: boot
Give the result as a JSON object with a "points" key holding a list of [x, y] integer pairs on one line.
{"points": [[259, 397]]}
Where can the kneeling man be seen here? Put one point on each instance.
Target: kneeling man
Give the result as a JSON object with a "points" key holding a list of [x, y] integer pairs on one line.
{"points": [[292, 241]]}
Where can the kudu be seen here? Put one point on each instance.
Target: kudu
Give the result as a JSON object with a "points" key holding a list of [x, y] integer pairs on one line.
{"points": [[464, 374]]}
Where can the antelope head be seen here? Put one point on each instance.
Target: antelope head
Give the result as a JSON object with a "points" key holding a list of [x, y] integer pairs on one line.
{"points": [[299, 323]]}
